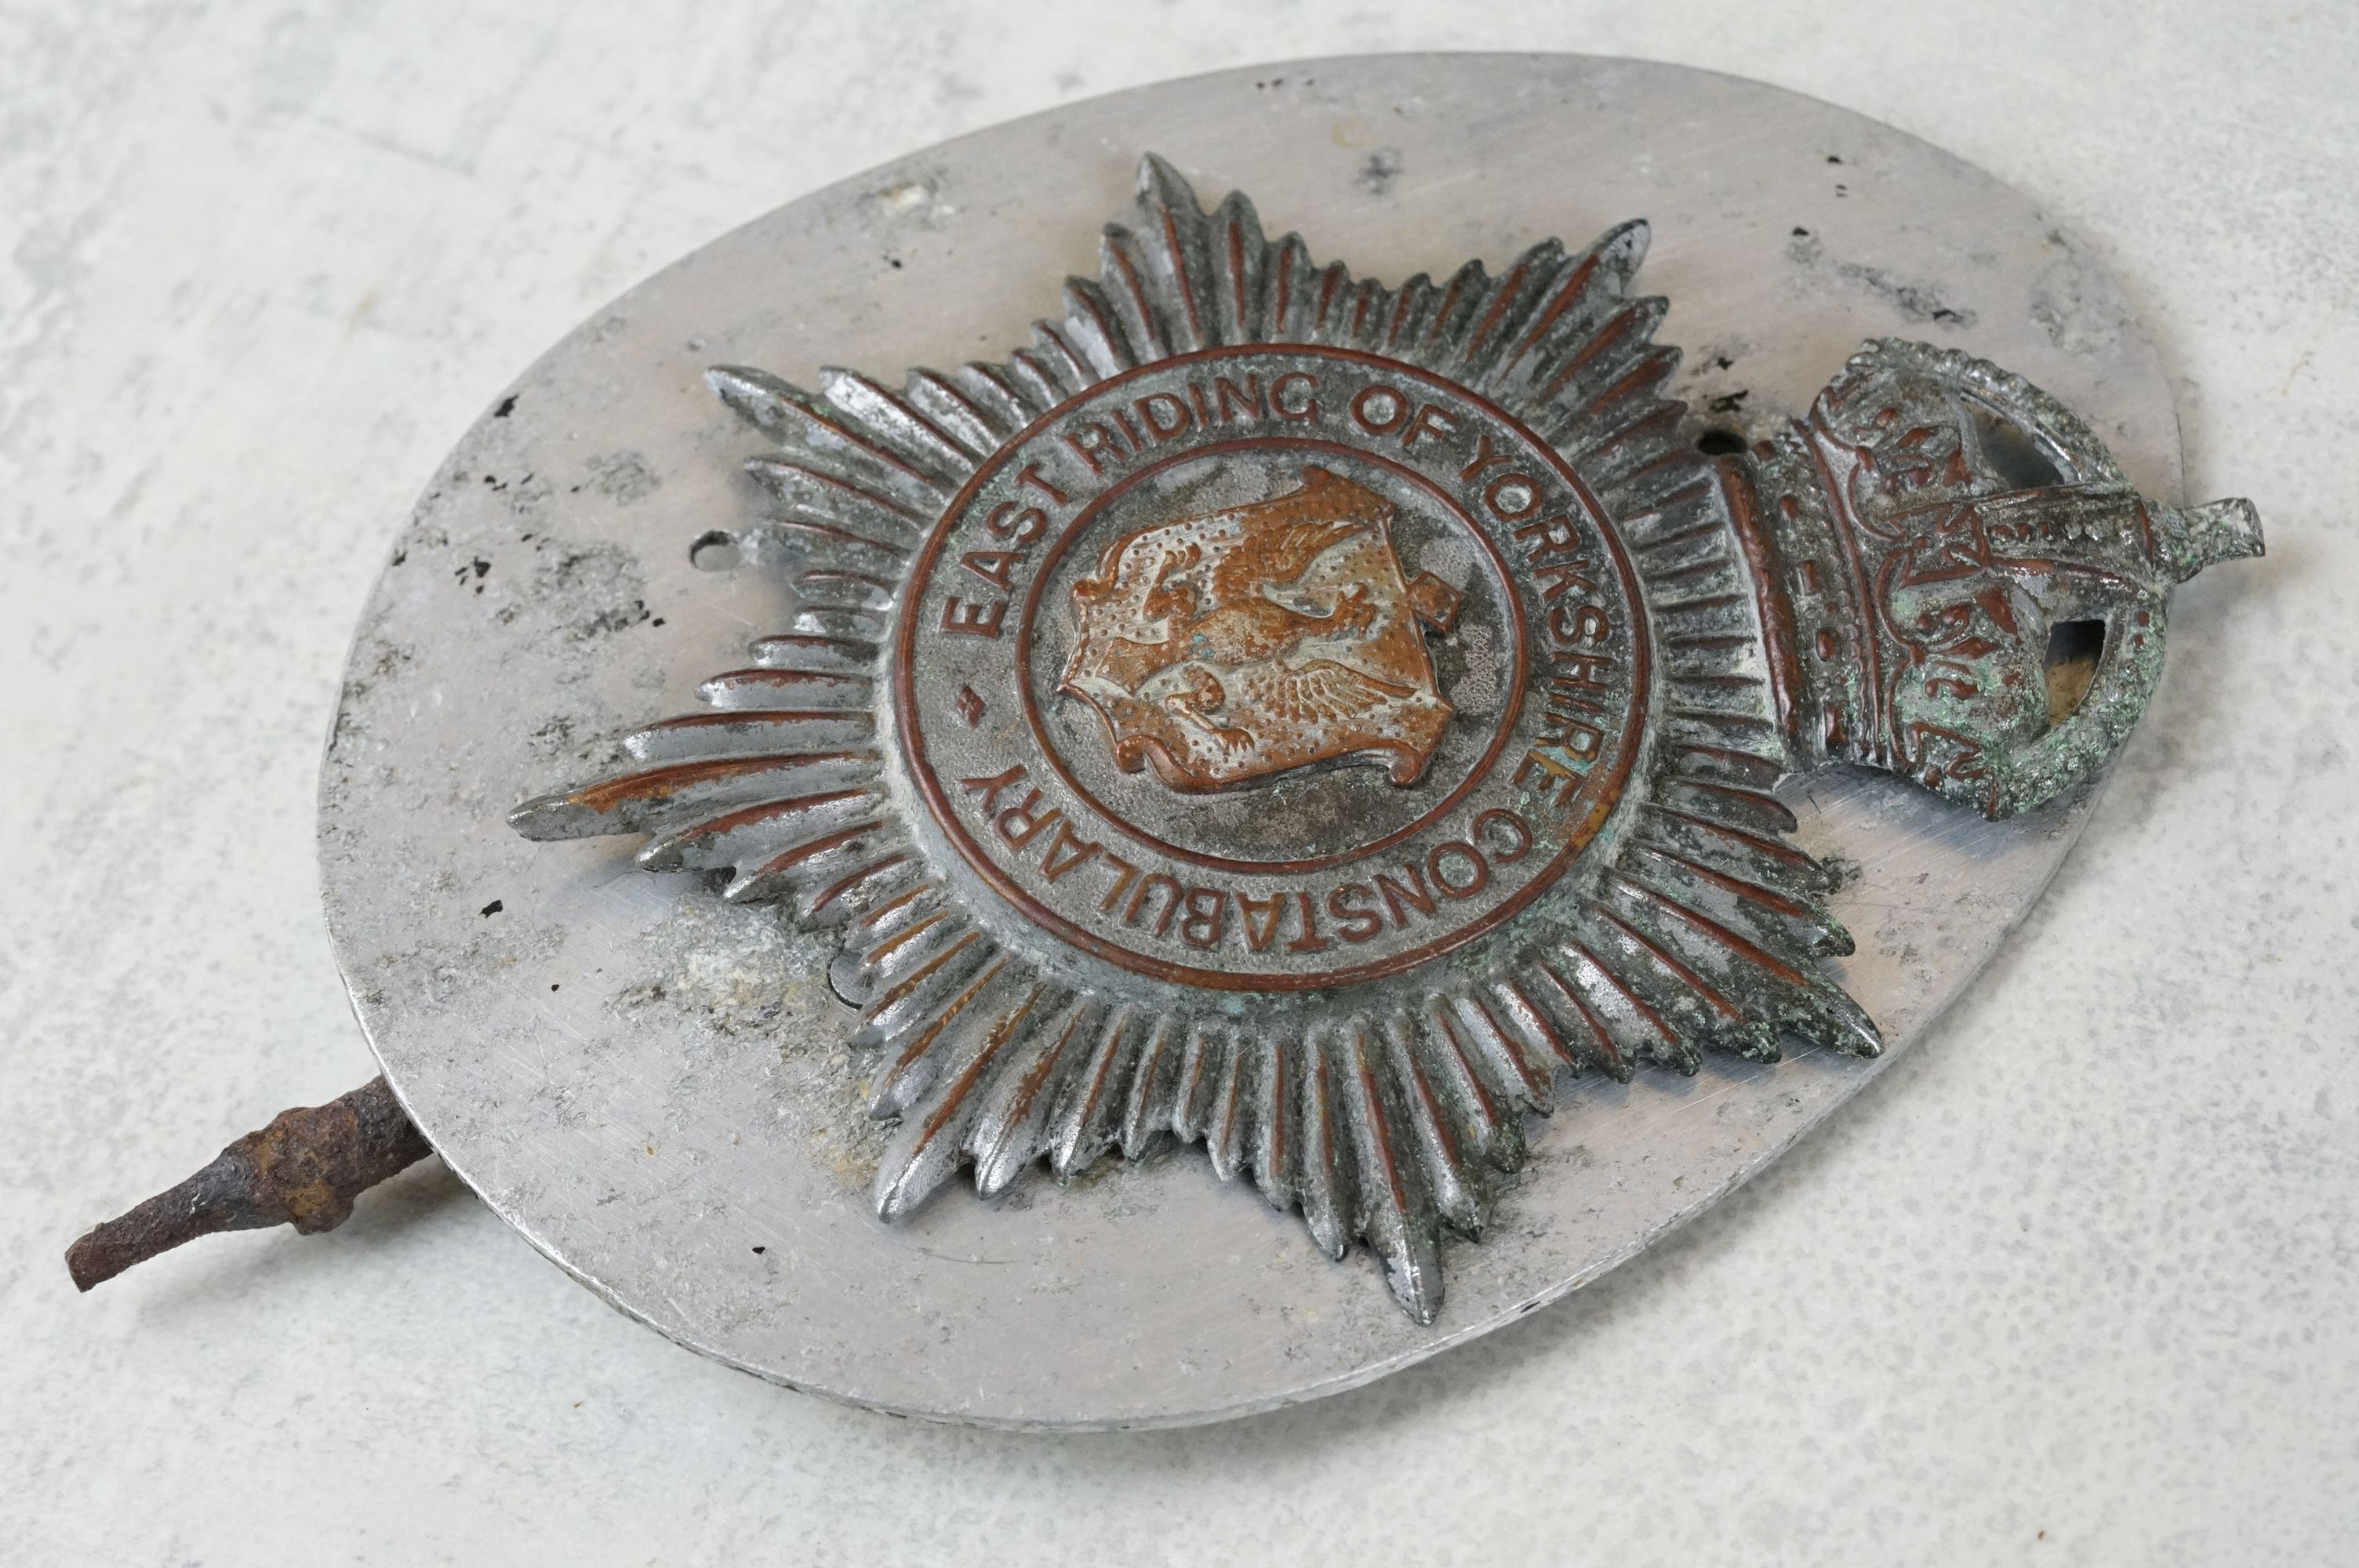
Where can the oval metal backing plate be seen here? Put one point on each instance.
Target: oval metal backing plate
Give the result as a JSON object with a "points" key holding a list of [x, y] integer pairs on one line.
{"points": [[653, 1087]]}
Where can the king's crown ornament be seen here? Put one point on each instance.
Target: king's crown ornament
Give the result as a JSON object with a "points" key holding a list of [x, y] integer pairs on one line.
{"points": [[1961, 586]]}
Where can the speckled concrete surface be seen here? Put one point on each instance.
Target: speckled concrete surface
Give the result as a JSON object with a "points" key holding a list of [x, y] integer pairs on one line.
{"points": [[2073, 1283]]}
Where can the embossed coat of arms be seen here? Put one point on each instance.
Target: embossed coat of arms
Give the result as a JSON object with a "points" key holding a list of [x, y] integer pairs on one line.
{"points": [[1306, 718], [1271, 636]]}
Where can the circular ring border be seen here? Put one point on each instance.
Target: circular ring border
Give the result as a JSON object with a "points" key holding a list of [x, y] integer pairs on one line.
{"points": [[1607, 796]]}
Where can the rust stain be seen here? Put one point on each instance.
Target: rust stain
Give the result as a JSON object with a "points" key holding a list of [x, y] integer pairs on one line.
{"points": [[305, 1170]]}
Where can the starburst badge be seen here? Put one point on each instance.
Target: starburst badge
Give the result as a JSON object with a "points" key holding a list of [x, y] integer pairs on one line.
{"points": [[1304, 718]]}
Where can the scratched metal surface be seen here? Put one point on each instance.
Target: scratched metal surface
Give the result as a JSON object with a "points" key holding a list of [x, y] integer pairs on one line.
{"points": [[652, 1086]]}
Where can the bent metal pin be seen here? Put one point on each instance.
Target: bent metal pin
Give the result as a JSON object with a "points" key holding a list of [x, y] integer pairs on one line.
{"points": [[1302, 716], [1271, 712]]}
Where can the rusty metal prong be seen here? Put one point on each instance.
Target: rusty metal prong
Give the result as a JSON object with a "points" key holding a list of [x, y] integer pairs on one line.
{"points": [[305, 1170]]}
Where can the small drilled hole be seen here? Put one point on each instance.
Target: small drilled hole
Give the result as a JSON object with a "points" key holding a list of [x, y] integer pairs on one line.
{"points": [[2073, 649], [715, 552], [1720, 443]]}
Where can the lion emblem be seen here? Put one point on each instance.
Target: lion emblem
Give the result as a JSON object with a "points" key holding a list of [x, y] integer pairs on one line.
{"points": [[1242, 645]]}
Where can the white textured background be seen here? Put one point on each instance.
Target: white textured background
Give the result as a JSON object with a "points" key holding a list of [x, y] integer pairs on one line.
{"points": [[2077, 1282]]}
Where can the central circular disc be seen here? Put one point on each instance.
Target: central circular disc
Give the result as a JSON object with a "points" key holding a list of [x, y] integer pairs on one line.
{"points": [[1271, 667]]}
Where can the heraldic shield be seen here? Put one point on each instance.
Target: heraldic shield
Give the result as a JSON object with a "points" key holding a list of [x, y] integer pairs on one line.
{"points": [[1230, 648]]}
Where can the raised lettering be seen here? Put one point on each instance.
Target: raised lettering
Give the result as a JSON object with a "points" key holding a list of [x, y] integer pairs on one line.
{"points": [[1123, 873], [1553, 771], [1477, 874], [1595, 670], [1590, 624], [1089, 439], [1031, 476], [1029, 524], [1567, 572], [1163, 403], [1355, 909], [1520, 837], [1429, 421], [1556, 530], [980, 618], [1302, 413], [1020, 823], [1395, 894], [1512, 496], [1575, 737], [992, 566], [1207, 917], [1573, 622], [1485, 456], [1147, 884], [1265, 909], [1246, 402], [989, 788], [1309, 941], [1379, 419], [1074, 852]]}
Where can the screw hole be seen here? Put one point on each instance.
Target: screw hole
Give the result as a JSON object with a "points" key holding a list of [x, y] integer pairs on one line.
{"points": [[2074, 647], [714, 552], [1720, 443]]}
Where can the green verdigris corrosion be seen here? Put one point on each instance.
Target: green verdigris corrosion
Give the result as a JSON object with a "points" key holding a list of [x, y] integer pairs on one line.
{"points": [[1967, 590]]}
